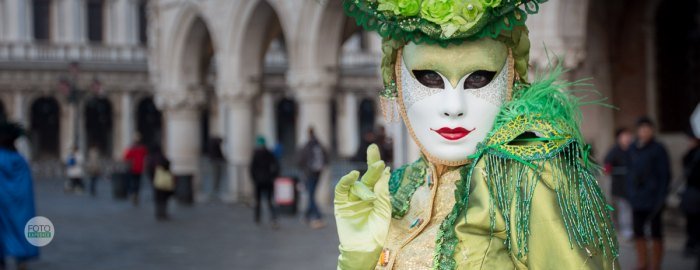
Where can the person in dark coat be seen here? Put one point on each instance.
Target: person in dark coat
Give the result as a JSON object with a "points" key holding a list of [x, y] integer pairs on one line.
{"points": [[155, 159], [690, 202], [616, 166], [312, 159], [647, 186], [264, 169], [16, 199]]}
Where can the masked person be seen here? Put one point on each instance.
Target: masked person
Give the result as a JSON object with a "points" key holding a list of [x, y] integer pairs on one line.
{"points": [[504, 180]]}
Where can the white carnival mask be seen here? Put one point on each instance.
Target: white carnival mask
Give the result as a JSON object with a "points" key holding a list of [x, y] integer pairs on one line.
{"points": [[450, 97]]}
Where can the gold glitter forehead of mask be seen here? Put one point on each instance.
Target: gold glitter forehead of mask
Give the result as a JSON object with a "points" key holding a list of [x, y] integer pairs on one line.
{"points": [[455, 61]]}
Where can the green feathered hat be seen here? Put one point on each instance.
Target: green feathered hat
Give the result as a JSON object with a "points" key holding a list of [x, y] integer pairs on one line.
{"points": [[444, 22]]}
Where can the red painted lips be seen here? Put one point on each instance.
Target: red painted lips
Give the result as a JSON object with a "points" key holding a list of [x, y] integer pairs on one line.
{"points": [[453, 134]]}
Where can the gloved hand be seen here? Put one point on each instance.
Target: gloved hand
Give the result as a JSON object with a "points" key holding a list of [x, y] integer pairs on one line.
{"points": [[363, 213]]}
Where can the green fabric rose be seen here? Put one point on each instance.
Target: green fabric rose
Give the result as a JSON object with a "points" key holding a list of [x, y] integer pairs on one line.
{"points": [[400, 7], [437, 11], [466, 14], [490, 3], [469, 10]]}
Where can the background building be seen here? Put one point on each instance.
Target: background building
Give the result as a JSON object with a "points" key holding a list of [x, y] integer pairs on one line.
{"points": [[181, 71]]}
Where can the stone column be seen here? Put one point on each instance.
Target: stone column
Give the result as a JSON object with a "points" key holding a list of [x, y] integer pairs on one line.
{"points": [[238, 142], [348, 125], [182, 130], [73, 27], [216, 115], [126, 124], [19, 109], [66, 127], [18, 27], [313, 90], [265, 120], [123, 22], [19, 114]]}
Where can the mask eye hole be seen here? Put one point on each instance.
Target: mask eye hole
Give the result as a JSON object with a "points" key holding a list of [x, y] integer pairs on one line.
{"points": [[478, 79], [429, 78]]}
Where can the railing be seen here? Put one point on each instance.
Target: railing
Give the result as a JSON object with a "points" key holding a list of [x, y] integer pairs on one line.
{"points": [[278, 58], [72, 52], [48, 170]]}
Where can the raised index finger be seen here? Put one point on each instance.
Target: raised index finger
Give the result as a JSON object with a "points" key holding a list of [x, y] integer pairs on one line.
{"points": [[373, 154]]}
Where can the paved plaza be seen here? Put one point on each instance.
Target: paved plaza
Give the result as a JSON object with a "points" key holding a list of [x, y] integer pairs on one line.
{"points": [[103, 234]]}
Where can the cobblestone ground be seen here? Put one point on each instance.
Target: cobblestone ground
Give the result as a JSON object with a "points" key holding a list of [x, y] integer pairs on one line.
{"points": [[100, 233]]}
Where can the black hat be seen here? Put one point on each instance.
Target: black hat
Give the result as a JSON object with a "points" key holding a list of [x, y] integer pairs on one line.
{"points": [[9, 132], [644, 121]]}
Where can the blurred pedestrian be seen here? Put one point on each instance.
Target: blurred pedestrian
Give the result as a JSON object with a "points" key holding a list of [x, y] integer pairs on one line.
{"points": [[690, 200], [648, 179], [93, 168], [616, 166], [134, 157], [264, 169], [16, 199], [75, 171], [368, 138], [312, 159], [386, 145], [158, 172], [218, 165]]}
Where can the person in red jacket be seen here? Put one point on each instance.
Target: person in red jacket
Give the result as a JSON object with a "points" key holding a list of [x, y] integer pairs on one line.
{"points": [[135, 156]]}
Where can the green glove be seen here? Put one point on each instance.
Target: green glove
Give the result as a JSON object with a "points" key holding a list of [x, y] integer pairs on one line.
{"points": [[363, 213]]}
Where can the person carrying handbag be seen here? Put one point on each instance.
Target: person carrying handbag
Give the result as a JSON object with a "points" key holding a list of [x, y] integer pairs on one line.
{"points": [[162, 181]]}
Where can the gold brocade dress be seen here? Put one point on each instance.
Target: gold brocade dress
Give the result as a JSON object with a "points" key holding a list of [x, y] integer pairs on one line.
{"points": [[411, 241]]}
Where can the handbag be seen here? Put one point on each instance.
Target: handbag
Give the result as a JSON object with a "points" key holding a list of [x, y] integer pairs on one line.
{"points": [[163, 179]]}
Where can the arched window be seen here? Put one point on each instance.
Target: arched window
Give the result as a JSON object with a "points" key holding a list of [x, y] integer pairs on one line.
{"points": [[95, 20], [149, 122], [41, 14], [98, 124], [44, 127]]}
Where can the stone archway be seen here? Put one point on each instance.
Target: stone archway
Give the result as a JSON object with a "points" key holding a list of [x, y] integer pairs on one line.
{"points": [[256, 61], [313, 77], [183, 97], [45, 119], [149, 122]]}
